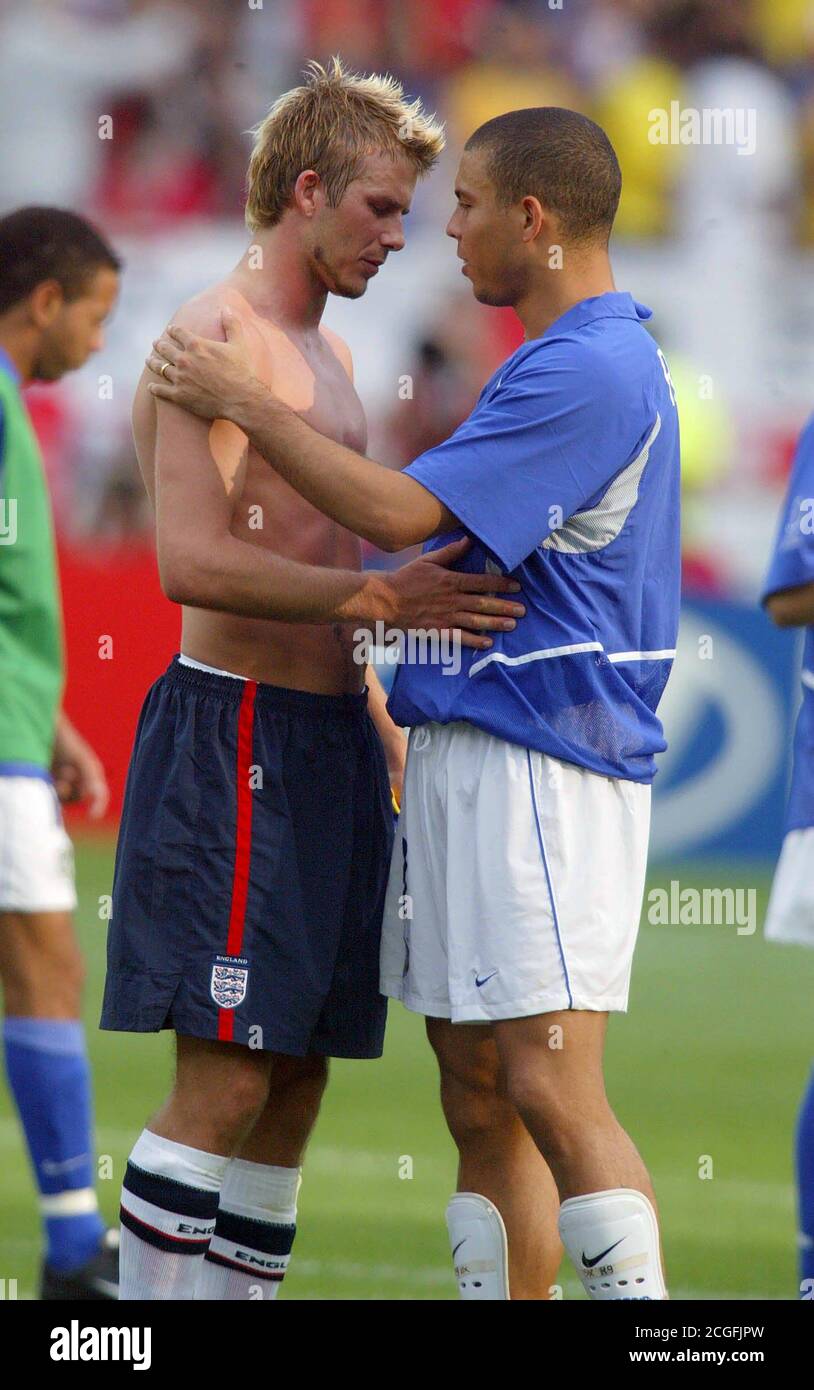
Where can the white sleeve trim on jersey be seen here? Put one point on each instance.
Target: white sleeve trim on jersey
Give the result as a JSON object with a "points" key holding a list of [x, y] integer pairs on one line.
{"points": [[807, 677]]}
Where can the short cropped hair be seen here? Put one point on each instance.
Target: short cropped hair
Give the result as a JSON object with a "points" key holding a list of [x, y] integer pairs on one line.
{"points": [[41, 243], [558, 156], [328, 125]]}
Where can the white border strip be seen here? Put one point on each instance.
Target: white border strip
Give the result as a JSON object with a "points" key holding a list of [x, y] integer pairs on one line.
{"points": [[807, 677], [74, 1201], [665, 654], [534, 656]]}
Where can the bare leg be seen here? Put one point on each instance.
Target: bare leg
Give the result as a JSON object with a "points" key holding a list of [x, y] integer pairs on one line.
{"points": [[284, 1126], [172, 1186], [560, 1093], [553, 1069], [497, 1156], [220, 1091], [40, 965], [257, 1217]]}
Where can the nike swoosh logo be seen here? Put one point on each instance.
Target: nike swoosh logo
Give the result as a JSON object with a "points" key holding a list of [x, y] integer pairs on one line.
{"points": [[589, 1264], [458, 1246], [52, 1169], [485, 979]]}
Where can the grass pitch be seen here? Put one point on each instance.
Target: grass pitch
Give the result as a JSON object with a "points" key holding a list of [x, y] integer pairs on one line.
{"points": [[706, 1072]]}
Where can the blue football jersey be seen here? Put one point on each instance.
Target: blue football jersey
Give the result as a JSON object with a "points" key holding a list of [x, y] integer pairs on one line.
{"points": [[793, 564], [566, 474]]}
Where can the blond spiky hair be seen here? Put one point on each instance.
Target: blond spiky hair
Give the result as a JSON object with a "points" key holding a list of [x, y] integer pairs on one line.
{"points": [[328, 125]]}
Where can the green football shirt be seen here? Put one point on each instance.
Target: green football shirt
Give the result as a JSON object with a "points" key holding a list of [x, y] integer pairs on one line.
{"points": [[31, 648]]}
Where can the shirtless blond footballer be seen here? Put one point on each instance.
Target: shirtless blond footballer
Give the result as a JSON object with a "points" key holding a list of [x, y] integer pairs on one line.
{"points": [[256, 835]]}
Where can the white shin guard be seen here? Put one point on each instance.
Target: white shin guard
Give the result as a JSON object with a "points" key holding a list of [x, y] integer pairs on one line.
{"points": [[480, 1252], [613, 1240]]}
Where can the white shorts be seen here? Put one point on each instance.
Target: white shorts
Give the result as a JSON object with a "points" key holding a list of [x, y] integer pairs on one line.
{"points": [[524, 876], [790, 914], [36, 855]]}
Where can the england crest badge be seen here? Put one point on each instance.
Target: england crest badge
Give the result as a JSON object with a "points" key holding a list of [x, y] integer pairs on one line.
{"points": [[230, 977]]}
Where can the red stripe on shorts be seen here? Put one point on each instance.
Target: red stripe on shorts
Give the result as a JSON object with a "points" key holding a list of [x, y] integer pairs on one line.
{"points": [[243, 843]]}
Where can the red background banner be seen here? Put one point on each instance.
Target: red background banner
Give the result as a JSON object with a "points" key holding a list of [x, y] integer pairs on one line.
{"points": [[120, 633]]}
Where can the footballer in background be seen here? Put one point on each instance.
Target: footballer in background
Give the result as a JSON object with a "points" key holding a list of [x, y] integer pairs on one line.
{"points": [[58, 283], [788, 596]]}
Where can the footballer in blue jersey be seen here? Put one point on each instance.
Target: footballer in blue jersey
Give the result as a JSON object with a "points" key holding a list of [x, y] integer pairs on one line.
{"points": [[566, 474], [788, 595], [518, 871]]}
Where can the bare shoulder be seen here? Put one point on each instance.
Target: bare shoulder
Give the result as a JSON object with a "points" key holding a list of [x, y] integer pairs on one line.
{"points": [[266, 342], [339, 347], [202, 313]]}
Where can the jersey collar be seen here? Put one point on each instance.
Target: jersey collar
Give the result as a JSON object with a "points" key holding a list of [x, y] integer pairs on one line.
{"points": [[6, 365], [612, 305]]}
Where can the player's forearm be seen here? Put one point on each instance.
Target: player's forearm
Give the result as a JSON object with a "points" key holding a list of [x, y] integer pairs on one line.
{"points": [[62, 723], [379, 504], [234, 577], [390, 734], [792, 607], [394, 739]]}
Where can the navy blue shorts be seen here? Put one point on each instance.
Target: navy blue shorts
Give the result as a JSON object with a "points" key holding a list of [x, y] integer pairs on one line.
{"points": [[251, 868]]}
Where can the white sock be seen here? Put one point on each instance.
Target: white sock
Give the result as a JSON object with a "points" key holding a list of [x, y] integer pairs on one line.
{"points": [[169, 1205], [613, 1240], [254, 1232], [480, 1252]]}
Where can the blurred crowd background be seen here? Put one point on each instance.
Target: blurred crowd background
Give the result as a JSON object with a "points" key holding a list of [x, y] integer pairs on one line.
{"points": [[137, 113]]}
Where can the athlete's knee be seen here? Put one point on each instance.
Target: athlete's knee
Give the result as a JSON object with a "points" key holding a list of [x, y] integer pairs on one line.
{"points": [[282, 1130], [250, 1089], [72, 975], [475, 1105], [64, 981], [546, 1101], [305, 1077], [474, 1110], [237, 1104], [44, 980], [537, 1098]]}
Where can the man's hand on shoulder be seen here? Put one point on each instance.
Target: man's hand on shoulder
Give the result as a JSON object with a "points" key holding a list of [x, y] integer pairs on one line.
{"points": [[212, 379]]}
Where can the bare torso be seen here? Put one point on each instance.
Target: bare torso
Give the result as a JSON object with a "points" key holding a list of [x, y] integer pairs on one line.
{"points": [[306, 372]]}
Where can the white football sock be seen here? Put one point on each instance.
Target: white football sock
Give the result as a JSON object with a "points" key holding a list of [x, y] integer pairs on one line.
{"points": [[613, 1240], [255, 1228], [169, 1205], [480, 1252]]}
